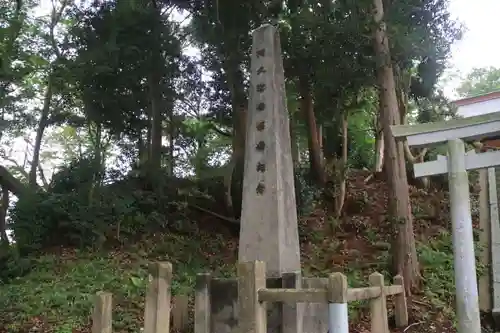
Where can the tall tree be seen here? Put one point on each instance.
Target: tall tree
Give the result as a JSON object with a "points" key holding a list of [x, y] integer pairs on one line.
{"points": [[480, 81], [404, 251]]}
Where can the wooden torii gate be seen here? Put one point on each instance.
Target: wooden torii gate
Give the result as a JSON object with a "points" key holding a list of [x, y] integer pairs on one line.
{"points": [[456, 164]]}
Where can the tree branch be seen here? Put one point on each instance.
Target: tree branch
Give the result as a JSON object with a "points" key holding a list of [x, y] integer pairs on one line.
{"points": [[55, 18], [409, 155], [221, 132], [224, 218], [42, 177], [21, 169]]}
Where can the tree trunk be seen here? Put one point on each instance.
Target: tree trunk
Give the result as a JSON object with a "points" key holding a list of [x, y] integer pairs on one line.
{"points": [[404, 252], [307, 107], [422, 182], [156, 123], [294, 142], [12, 183], [142, 148], [234, 176], [320, 143], [236, 165], [42, 125], [379, 146], [55, 19], [342, 168], [402, 88], [155, 94], [45, 183], [4, 206], [95, 135], [171, 141], [149, 136]]}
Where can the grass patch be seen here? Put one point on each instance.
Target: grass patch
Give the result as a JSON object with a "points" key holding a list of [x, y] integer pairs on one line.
{"points": [[436, 260], [59, 291]]}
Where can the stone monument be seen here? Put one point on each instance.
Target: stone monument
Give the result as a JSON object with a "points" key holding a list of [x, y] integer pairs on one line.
{"points": [[269, 230]]}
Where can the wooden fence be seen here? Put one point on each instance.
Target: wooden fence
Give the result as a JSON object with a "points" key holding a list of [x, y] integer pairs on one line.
{"points": [[252, 295], [160, 307]]}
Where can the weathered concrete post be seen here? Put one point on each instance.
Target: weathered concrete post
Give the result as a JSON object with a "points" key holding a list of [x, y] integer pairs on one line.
{"points": [[493, 195], [269, 229], [102, 321], [158, 297], [463, 240]]}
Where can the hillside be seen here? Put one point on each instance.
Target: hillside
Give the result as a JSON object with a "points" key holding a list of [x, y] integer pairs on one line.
{"points": [[56, 295]]}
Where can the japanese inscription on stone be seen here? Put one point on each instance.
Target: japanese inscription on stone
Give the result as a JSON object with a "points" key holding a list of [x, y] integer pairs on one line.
{"points": [[260, 188], [261, 87], [260, 126]]}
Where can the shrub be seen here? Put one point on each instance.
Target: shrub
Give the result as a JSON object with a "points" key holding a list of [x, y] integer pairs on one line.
{"points": [[73, 212], [11, 264], [77, 211], [307, 194]]}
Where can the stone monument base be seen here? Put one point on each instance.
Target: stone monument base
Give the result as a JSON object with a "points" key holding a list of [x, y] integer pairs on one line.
{"points": [[224, 299]]}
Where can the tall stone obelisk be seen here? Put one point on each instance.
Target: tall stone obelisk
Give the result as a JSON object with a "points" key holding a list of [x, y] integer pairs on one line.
{"points": [[269, 229]]}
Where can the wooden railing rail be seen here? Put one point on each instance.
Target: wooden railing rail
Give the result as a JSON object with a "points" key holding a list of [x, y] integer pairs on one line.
{"points": [[253, 294], [252, 298]]}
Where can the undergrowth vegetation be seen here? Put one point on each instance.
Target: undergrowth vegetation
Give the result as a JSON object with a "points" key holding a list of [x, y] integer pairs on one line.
{"points": [[59, 290], [71, 245]]}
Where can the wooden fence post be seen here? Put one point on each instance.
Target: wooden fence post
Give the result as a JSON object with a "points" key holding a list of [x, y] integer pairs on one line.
{"points": [[102, 314], [292, 314], [378, 306], [337, 303], [158, 296], [400, 307], [202, 304], [180, 313], [252, 316]]}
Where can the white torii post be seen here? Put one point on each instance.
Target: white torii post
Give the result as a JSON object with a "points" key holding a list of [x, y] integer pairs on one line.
{"points": [[456, 165]]}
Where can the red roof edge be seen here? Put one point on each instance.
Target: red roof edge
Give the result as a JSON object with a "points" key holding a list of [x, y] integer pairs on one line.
{"points": [[477, 99]]}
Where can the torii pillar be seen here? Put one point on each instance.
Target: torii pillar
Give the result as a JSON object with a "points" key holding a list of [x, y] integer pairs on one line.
{"points": [[269, 229]]}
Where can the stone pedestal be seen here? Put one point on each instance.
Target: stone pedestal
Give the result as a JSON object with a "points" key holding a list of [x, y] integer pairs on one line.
{"points": [[312, 318]]}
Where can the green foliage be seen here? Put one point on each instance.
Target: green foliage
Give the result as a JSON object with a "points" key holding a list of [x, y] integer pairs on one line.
{"points": [[44, 220], [12, 265], [117, 47], [60, 287], [77, 177], [434, 108], [76, 212], [307, 193], [436, 259], [361, 152], [65, 299], [480, 81]]}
